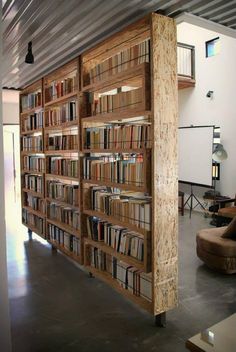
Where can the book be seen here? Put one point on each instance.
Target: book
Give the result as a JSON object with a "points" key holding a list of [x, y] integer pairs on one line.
{"points": [[32, 122], [64, 239], [58, 115], [31, 100], [63, 192]]}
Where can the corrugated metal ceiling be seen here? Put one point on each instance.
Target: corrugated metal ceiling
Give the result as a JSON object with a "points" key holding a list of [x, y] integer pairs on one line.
{"points": [[61, 29]]}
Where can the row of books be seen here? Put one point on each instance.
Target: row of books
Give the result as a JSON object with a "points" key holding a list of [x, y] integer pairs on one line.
{"points": [[127, 207], [62, 142], [57, 115], [119, 136], [33, 220], [33, 163], [33, 183], [32, 143], [35, 203], [129, 277], [64, 239], [32, 122], [63, 192], [119, 238], [31, 101], [63, 167], [124, 60], [58, 89], [116, 102], [66, 215], [128, 171]]}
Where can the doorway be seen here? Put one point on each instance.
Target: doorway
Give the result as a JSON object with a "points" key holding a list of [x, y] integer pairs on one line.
{"points": [[12, 174]]}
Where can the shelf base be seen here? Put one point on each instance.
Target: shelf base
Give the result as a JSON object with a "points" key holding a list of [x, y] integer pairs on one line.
{"points": [[160, 320]]}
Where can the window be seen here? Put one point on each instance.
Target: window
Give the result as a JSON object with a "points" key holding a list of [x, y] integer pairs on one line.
{"points": [[212, 47]]}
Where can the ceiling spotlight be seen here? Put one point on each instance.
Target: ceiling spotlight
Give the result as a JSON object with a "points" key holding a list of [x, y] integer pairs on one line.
{"points": [[29, 59]]}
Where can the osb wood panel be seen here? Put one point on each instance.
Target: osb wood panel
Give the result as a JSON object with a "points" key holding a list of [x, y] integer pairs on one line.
{"points": [[126, 38], [164, 163]]}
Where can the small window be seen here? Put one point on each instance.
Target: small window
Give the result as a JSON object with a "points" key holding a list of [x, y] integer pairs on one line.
{"points": [[212, 47]]}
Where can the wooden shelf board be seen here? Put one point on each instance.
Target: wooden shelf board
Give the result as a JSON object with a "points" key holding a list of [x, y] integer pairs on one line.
{"points": [[35, 212], [62, 177], [31, 111], [124, 186], [52, 200], [64, 227], [35, 230], [185, 82], [117, 78], [36, 194], [52, 152], [37, 130], [107, 278], [62, 126], [109, 250], [116, 150], [25, 171], [24, 152], [116, 116], [58, 100], [115, 221], [65, 251]]}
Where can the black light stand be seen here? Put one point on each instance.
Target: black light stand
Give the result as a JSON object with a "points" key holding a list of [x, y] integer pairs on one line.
{"points": [[190, 198], [213, 221]]}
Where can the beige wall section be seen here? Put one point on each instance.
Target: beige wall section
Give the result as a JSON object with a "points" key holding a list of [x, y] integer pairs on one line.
{"points": [[10, 106], [165, 168]]}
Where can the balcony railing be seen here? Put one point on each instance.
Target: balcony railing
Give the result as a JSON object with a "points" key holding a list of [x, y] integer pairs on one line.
{"points": [[186, 61]]}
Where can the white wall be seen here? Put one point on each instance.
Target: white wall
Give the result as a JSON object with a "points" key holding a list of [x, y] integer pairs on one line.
{"points": [[217, 73], [10, 107], [5, 337]]}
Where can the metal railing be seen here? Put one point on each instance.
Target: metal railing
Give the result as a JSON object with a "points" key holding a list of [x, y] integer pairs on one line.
{"points": [[186, 60]]}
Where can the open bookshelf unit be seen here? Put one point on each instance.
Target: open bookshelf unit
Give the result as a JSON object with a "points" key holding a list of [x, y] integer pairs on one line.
{"points": [[103, 177], [128, 136], [32, 158], [62, 153]]}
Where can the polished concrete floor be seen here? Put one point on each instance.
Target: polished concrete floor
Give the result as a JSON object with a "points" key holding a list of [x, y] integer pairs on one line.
{"points": [[56, 307]]}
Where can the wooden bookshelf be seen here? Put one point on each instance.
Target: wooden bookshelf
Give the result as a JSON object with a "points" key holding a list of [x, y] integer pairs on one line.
{"points": [[158, 81], [128, 79], [62, 119], [31, 95], [64, 227]]}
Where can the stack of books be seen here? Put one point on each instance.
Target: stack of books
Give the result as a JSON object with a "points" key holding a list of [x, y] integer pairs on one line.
{"points": [[120, 62], [128, 170], [127, 207], [35, 203], [66, 215], [58, 89], [31, 101], [63, 192], [33, 183], [129, 277], [119, 238], [64, 239], [116, 102], [32, 143], [62, 142], [33, 220], [124, 136], [57, 115], [33, 163], [62, 167], [33, 122]]}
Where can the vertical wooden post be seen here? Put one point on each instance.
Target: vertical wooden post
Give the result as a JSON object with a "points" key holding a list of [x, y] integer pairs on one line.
{"points": [[164, 162]]}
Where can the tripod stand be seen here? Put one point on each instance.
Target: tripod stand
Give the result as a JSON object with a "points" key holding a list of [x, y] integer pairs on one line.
{"points": [[190, 199]]}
